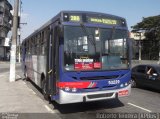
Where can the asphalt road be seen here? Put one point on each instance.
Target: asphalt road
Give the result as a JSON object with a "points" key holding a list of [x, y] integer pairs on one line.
{"points": [[142, 102], [4, 67]]}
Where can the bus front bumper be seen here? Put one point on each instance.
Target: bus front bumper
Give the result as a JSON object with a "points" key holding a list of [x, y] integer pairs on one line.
{"points": [[66, 98]]}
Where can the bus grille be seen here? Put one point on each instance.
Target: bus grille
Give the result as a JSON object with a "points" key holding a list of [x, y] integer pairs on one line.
{"points": [[99, 95], [99, 77]]}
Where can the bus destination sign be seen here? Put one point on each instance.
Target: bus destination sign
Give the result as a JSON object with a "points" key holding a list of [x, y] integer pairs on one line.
{"points": [[103, 21], [93, 19], [75, 18]]}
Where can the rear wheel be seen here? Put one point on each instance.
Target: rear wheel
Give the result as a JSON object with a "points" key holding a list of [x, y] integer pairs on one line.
{"points": [[26, 75]]}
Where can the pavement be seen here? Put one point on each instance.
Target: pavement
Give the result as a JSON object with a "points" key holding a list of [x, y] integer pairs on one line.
{"points": [[17, 98]]}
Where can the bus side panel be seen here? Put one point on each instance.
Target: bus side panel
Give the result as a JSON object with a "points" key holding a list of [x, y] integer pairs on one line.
{"points": [[36, 65], [34, 71], [41, 68]]}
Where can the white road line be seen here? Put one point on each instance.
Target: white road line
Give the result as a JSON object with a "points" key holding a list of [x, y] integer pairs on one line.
{"points": [[2, 76], [18, 76], [139, 107], [32, 91], [5, 73], [48, 108]]}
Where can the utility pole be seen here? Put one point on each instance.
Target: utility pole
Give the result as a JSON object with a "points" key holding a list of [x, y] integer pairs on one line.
{"points": [[19, 47], [14, 39], [19, 33], [140, 46]]}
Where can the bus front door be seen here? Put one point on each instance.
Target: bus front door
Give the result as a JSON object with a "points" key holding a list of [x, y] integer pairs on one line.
{"points": [[53, 61]]}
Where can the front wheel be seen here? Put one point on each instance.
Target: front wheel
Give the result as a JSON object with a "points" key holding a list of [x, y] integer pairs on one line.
{"points": [[133, 83], [44, 90]]}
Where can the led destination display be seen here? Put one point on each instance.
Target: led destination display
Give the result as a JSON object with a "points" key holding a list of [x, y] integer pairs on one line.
{"points": [[106, 20]]}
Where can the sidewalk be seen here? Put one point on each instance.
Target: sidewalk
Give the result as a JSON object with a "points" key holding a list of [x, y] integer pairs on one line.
{"points": [[17, 97]]}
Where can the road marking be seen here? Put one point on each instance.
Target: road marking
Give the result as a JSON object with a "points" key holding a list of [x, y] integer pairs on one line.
{"points": [[48, 108], [18, 76], [139, 107], [4, 74], [32, 91]]}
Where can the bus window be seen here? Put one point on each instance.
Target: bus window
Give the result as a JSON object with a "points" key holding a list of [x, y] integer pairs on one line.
{"points": [[107, 49]]}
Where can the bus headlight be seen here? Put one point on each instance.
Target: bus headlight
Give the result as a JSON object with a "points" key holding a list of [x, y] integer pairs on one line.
{"points": [[67, 89], [126, 84], [74, 89], [122, 85]]}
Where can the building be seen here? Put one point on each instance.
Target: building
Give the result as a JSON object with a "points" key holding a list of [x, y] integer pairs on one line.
{"points": [[136, 38], [144, 49], [5, 27]]}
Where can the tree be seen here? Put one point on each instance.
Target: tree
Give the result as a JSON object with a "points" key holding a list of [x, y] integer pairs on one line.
{"points": [[151, 27]]}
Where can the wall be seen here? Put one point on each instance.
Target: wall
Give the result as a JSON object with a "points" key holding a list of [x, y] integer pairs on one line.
{"points": [[136, 62]]}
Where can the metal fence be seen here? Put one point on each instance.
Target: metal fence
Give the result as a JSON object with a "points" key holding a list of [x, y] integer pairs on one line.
{"points": [[149, 49]]}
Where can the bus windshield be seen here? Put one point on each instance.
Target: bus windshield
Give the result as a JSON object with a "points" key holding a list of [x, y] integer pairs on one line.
{"points": [[94, 48]]}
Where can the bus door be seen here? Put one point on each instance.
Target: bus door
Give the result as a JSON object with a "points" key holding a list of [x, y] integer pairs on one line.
{"points": [[53, 60]]}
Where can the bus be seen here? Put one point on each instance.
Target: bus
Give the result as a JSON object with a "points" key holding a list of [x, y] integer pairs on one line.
{"points": [[79, 56]]}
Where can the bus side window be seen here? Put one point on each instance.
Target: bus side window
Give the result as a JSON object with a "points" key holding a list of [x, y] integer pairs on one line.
{"points": [[30, 47], [42, 44], [45, 40], [36, 45], [27, 47]]}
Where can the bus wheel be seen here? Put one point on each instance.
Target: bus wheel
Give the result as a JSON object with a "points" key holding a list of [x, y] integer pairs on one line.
{"points": [[26, 76], [44, 92]]}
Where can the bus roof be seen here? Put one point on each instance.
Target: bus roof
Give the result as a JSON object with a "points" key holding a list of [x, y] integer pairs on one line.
{"points": [[59, 17], [93, 13]]}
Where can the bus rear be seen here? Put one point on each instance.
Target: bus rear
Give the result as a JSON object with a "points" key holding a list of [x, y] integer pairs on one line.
{"points": [[93, 58]]}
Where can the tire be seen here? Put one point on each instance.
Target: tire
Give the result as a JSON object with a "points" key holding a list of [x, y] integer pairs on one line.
{"points": [[133, 83], [44, 92], [26, 76]]}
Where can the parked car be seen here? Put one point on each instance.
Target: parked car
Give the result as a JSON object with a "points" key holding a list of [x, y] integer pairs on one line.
{"points": [[146, 75]]}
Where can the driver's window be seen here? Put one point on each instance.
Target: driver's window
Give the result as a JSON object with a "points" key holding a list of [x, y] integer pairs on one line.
{"points": [[150, 70], [141, 69]]}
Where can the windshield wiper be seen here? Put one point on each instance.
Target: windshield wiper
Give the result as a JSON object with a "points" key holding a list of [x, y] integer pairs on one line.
{"points": [[89, 36], [110, 38]]}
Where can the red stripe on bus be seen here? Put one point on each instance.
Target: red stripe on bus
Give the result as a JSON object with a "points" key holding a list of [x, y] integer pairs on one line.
{"points": [[74, 84]]}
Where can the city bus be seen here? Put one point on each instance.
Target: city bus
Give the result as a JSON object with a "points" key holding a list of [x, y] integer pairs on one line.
{"points": [[79, 56]]}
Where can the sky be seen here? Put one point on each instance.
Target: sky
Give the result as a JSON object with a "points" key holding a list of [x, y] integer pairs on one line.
{"points": [[37, 12]]}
